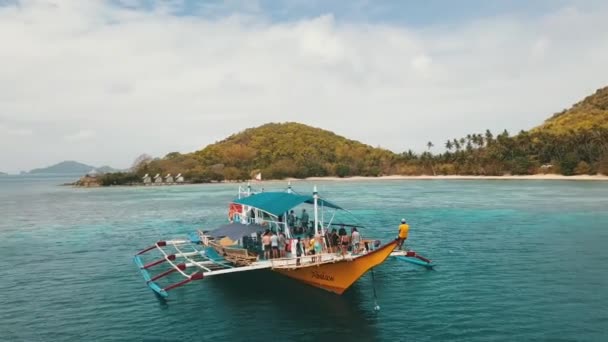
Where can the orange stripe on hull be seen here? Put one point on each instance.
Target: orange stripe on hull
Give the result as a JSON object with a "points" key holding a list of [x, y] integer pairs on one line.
{"points": [[339, 276]]}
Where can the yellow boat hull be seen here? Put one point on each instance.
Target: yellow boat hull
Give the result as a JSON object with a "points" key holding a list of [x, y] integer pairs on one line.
{"points": [[339, 276]]}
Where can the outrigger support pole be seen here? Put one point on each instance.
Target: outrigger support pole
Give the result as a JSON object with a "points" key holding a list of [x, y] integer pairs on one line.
{"points": [[160, 261], [193, 276], [158, 244], [181, 267], [415, 255]]}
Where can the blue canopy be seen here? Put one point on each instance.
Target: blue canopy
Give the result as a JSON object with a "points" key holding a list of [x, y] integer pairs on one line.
{"points": [[277, 203]]}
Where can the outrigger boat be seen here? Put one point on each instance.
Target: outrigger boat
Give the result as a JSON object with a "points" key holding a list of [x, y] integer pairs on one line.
{"points": [[236, 247]]}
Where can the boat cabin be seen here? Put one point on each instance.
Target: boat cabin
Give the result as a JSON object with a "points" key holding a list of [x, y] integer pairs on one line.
{"points": [[286, 214]]}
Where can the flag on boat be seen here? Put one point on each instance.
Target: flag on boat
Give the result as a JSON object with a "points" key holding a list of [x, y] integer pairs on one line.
{"points": [[258, 176]]}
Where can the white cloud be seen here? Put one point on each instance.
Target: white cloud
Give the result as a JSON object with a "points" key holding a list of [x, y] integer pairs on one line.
{"points": [[421, 63], [15, 131], [81, 135], [149, 81]]}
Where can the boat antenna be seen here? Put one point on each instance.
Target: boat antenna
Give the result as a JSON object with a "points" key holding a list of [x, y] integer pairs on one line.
{"points": [[315, 196]]}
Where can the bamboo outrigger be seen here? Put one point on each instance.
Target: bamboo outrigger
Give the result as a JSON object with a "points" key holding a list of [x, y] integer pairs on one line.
{"points": [[236, 247]]}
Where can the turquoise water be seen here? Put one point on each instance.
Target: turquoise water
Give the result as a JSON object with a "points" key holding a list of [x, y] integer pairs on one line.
{"points": [[518, 260]]}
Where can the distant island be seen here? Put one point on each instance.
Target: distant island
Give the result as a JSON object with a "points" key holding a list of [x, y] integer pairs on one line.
{"points": [[3, 174], [71, 167], [572, 142]]}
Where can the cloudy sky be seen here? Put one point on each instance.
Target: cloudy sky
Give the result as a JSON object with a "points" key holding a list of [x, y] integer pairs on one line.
{"points": [[104, 81]]}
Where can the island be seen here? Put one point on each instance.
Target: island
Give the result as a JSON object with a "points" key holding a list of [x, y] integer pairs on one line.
{"points": [[572, 142], [70, 167]]}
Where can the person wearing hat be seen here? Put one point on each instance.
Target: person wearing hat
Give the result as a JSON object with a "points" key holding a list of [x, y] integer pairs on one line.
{"points": [[404, 229]]}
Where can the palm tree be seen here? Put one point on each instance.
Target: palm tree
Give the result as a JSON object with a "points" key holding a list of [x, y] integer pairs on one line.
{"points": [[448, 145], [456, 144], [474, 140], [489, 137], [429, 145]]}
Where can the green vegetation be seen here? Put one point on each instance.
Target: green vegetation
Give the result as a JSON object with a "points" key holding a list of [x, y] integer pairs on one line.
{"points": [[118, 178], [588, 114], [572, 142], [277, 150], [576, 152]]}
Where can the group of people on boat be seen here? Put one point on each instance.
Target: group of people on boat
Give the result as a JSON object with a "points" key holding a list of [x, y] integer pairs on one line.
{"points": [[273, 244], [300, 225]]}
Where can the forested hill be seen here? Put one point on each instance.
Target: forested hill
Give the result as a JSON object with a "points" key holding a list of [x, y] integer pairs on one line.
{"points": [[277, 150], [586, 114], [295, 150]]}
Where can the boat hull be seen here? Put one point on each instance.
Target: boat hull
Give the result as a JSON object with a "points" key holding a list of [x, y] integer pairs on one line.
{"points": [[339, 276]]}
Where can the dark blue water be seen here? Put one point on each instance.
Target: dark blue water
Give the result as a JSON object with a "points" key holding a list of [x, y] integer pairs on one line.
{"points": [[518, 260]]}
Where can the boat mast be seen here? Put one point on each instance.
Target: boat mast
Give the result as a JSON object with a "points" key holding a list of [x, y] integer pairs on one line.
{"points": [[315, 196]]}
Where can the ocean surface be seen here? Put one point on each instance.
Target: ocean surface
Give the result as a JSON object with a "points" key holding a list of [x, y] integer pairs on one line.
{"points": [[517, 261]]}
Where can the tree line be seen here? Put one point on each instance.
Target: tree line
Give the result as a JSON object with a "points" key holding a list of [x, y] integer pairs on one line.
{"points": [[294, 150]]}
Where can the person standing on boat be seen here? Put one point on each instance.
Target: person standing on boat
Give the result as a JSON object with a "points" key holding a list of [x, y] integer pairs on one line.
{"points": [[311, 246], [318, 245], [344, 241], [404, 230], [334, 240], [266, 244], [282, 240], [298, 251], [355, 239], [304, 219], [291, 220], [274, 243]]}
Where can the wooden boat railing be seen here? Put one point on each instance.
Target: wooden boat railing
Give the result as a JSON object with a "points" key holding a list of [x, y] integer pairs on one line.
{"points": [[309, 260]]}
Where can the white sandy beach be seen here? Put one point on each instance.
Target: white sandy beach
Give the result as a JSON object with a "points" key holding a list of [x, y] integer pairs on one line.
{"points": [[456, 177]]}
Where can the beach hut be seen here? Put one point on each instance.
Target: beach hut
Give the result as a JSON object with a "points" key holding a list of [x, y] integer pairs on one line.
{"points": [[147, 179], [546, 168], [158, 179], [179, 178], [168, 179]]}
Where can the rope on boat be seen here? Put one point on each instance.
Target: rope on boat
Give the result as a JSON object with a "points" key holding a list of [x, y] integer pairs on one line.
{"points": [[376, 306]]}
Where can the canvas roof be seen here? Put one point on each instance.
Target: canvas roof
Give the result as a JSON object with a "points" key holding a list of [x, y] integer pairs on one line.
{"points": [[236, 231], [277, 203]]}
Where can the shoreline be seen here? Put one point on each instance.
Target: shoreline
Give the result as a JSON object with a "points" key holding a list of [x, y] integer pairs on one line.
{"points": [[549, 177], [462, 177]]}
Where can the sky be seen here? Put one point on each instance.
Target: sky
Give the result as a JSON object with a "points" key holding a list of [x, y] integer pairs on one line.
{"points": [[102, 82]]}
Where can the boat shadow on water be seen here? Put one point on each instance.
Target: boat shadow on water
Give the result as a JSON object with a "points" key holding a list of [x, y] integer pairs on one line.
{"points": [[300, 306]]}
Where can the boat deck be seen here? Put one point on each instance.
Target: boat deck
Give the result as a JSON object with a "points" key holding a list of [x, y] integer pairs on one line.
{"points": [[194, 261]]}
